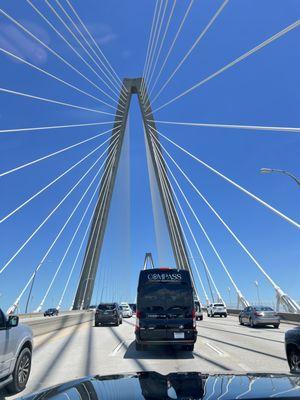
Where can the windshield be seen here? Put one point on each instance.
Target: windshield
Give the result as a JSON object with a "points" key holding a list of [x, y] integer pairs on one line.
{"points": [[163, 297], [106, 307], [150, 197], [261, 308]]}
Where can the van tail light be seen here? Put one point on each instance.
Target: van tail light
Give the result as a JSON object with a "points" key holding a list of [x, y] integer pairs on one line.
{"points": [[137, 321], [194, 317], [258, 314]]}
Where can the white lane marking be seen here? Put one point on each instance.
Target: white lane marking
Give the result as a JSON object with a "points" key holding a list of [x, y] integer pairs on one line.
{"points": [[244, 367], [113, 353], [220, 352]]}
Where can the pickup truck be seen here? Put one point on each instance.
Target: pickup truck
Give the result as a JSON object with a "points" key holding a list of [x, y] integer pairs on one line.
{"points": [[16, 343]]}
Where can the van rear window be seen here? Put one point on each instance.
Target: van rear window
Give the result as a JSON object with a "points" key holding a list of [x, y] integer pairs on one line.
{"points": [[106, 307], [158, 297]]}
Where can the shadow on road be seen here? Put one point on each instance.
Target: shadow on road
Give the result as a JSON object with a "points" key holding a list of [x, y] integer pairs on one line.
{"points": [[242, 334], [243, 347], [210, 361], [157, 353]]}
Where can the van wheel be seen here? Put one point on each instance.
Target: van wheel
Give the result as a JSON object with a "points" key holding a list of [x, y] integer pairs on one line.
{"points": [[201, 318], [21, 372], [139, 346], [189, 347]]}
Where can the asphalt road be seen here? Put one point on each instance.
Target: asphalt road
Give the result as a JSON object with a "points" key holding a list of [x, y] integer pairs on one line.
{"points": [[222, 346]]}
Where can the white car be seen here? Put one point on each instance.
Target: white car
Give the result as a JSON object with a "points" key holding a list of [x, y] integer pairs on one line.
{"points": [[217, 309], [16, 343], [126, 310]]}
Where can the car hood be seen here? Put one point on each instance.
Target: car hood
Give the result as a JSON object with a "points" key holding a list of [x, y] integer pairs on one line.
{"points": [[188, 386]]}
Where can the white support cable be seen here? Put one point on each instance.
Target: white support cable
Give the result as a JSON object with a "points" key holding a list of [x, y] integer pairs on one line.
{"points": [[232, 63], [184, 235], [162, 42], [13, 307], [82, 46], [193, 236], [238, 291], [186, 56], [22, 27], [79, 250], [96, 45], [156, 43], [28, 164], [70, 243], [50, 214], [149, 41], [4, 90], [172, 45], [195, 267], [170, 214], [116, 86], [98, 233], [55, 77], [288, 129], [50, 127], [150, 50], [242, 189], [222, 221], [43, 189]]}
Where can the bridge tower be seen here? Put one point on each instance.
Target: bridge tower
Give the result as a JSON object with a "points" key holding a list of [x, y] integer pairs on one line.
{"points": [[91, 260]]}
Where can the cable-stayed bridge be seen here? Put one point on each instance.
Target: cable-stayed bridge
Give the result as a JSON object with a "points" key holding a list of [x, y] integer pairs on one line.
{"points": [[113, 95], [79, 65]]}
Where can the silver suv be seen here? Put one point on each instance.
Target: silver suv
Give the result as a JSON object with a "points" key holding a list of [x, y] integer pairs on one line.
{"points": [[217, 309], [16, 342]]}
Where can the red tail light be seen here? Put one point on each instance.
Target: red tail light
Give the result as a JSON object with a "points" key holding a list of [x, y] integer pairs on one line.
{"points": [[258, 314], [194, 317], [137, 320]]}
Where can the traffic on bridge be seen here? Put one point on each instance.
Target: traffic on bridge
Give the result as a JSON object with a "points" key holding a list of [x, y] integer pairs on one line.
{"points": [[149, 172]]}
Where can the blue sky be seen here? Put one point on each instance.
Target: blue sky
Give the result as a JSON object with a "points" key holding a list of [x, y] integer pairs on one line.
{"points": [[261, 90]]}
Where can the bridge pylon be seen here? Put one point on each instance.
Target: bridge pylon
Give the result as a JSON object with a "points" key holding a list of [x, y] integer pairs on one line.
{"points": [[93, 250]]}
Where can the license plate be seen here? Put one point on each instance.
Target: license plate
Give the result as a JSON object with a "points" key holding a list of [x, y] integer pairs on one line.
{"points": [[178, 335]]}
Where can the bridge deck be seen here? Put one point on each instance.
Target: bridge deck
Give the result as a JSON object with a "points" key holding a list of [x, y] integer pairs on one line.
{"points": [[222, 346]]}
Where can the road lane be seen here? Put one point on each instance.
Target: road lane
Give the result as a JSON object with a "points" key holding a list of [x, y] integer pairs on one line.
{"points": [[222, 346]]}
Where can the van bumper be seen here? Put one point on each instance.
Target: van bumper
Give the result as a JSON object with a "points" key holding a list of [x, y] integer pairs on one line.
{"points": [[162, 342]]}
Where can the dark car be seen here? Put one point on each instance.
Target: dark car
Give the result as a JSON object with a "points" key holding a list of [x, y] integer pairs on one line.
{"points": [[259, 315], [178, 385], [51, 312], [292, 348], [133, 307], [108, 313], [199, 312], [165, 313]]}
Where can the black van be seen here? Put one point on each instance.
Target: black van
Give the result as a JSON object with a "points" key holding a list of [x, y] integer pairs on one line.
{"points": [[165, 309]]}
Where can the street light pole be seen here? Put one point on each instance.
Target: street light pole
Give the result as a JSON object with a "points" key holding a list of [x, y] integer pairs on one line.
{"points": [[30, 291], [280, 171], [257, 288], [229, 296]]}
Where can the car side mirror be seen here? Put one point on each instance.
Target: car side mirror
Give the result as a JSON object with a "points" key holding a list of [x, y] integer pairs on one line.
{"points": [[13, 321]]}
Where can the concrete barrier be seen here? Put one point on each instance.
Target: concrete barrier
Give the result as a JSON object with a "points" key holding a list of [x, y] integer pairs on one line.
{"points": [[41, 326]]}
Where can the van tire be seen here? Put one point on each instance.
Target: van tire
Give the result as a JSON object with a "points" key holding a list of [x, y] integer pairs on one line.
{"points": [[23, 363], [189, 347], [139, 346]]}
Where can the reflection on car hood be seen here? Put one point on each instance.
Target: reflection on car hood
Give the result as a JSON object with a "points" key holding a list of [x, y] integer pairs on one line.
{"points": [[188, 386]]}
